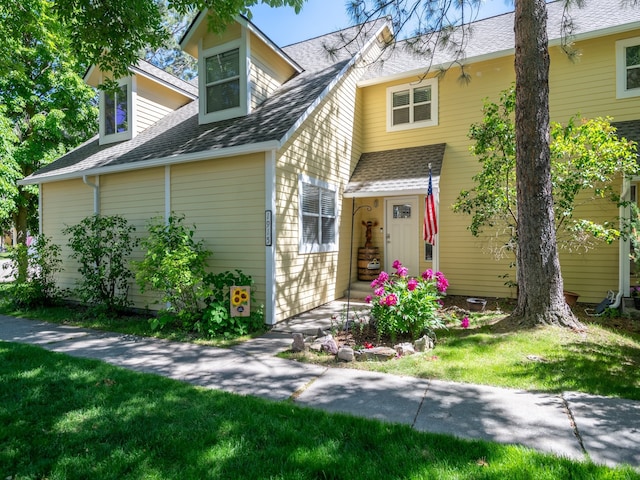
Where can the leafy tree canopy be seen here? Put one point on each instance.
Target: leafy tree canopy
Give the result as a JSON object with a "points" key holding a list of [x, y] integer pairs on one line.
{"points": [[586, 157]]}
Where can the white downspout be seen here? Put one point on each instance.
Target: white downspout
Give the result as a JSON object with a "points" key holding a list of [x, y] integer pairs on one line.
{"points": [[96, 192], [623, 255]]}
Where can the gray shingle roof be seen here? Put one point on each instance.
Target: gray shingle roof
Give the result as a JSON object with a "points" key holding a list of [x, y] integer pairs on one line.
{"points": [[394, 171], [494, 36], [179, 132], [629, 130], [172, 80]]}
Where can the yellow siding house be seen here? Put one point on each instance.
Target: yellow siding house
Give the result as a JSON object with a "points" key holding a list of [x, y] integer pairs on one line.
{"points": [[278, 151]]}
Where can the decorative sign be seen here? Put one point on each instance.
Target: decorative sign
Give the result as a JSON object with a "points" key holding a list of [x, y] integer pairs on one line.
{"points": [[267, 228], [240, 301]]}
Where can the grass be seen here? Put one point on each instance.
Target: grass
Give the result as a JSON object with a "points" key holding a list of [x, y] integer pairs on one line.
{"points": [[126, 324], [603, 360], [68, 418]]}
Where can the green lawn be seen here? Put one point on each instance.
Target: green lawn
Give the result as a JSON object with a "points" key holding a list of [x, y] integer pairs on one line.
{"points": [[603, 360], [68, 418]]}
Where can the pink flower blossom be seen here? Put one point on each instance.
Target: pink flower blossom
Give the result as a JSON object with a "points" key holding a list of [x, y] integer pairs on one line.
{"points": [[368, 345], [367, 299], [427, 274], [383, 277], [391, 300], [396, 264], [402, 271], [464, 323], [412, 284], [378, 292]]}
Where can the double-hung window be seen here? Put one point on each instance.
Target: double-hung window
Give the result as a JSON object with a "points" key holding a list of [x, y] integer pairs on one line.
{"points": [[628, 68], [318, 216], [117, 113], [223, 82], [412, 105]]}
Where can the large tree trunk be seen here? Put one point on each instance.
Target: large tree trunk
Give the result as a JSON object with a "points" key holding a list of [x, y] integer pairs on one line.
{"points": [[540, 298]]}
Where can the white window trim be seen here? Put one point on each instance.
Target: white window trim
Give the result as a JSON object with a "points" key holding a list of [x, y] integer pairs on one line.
{"points": [[131, 84], [433, 83], [621, 68], [317, 248], [242, 109]]}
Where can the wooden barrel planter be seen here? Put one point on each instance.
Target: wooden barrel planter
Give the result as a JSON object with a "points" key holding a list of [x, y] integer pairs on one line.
{"points": [[368, 263]]}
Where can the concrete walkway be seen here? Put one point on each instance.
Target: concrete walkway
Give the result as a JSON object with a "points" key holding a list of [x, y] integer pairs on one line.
{"points": [[571, 424]]}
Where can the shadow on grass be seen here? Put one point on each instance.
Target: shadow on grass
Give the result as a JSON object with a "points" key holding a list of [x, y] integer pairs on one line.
{"points": [[69, 418], [601, 362]]}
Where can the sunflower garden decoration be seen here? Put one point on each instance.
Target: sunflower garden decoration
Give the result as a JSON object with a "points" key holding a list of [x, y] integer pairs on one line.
{"points": [[240, 301]]}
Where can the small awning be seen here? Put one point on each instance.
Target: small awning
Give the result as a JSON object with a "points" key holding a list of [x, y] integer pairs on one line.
{"points": [[404, 171]]}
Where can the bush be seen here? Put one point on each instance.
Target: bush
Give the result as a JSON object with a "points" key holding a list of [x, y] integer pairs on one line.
{"points": [[406, 305], [217, 319], [102, 244], [43, 262], [175, 265]]}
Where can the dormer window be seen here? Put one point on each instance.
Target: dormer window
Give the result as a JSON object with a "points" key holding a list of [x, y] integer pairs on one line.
{"points": [[223, 82], [117, 112]]}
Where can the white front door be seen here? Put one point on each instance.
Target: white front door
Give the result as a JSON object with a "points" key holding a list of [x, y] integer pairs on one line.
{"points": [[402, 233]]}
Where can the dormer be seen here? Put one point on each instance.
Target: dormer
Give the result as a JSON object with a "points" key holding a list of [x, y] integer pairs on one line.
{"points": [[142, 98], [238, 69]]}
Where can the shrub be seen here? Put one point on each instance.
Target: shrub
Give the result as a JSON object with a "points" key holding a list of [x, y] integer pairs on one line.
{"points": [[102, 244], [43, 262], [217, 319], [407, 305], [175, 265]]}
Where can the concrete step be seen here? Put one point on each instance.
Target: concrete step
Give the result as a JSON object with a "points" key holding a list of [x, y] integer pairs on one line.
{"points": [[359, 290]]}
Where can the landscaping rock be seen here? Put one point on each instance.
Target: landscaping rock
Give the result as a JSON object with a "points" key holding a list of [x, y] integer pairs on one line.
{"points": [[298, 344], [404, 349], [315, 347], [424, 343], [346, 354], [330, 345], [377, 354]]}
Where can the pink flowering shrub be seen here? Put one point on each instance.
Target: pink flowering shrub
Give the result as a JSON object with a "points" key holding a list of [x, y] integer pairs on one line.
{"points": [[405, 305]]}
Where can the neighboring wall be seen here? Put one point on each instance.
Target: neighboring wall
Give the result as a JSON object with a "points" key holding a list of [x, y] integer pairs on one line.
{"points": [[65, 204], [326, 148], [224, 198], [587, 87]]}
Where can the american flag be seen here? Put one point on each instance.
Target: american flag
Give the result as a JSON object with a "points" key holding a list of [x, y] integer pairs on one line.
{"points": [[430, 226]]}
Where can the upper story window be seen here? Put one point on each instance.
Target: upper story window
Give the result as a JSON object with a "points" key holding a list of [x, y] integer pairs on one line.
{"points": [[223, 80], [318, 216], [412, 105], [628, 68], [223, 84], [116, 113]]}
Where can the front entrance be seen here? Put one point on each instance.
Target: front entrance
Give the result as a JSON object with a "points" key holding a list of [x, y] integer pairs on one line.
{"points": [[402, 233]]}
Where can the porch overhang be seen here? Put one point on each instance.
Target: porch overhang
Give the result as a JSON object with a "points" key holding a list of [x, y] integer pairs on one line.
{"points": [[403, 171]]}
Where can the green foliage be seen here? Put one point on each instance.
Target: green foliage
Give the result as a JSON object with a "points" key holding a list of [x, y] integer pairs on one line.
{"points": [[217, 319], [405, 305], [44, 101], [43, 262], [586, 158], [174, 265], [102, 244]]}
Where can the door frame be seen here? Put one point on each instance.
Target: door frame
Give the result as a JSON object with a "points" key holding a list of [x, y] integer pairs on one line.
{"points": [[415, 218]]}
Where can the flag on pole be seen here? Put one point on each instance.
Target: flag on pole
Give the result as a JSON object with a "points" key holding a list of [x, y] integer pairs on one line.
{"points": [[430, 226]]}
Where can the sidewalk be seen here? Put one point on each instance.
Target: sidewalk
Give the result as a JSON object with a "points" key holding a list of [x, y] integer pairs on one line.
{"points": [[570, 425]]}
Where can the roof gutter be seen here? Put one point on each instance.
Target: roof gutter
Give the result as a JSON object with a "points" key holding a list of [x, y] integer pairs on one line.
{"points": [[96, 193], [158, 162]]}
